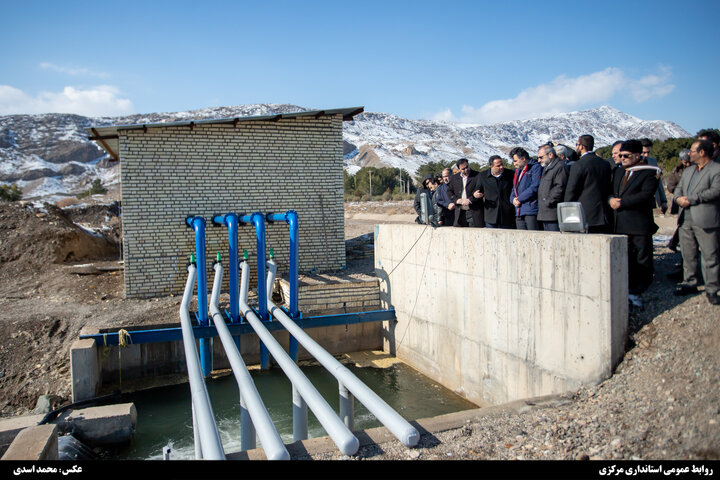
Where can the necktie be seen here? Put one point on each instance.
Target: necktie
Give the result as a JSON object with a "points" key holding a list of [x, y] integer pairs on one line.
{"points": [[625, 180]]}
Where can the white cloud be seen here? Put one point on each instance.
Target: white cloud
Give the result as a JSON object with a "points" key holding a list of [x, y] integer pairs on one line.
{"points": [[565, 94], [72, 71], [103, 100]]}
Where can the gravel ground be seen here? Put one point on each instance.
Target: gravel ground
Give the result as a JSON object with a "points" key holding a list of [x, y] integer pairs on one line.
{"points": [[661, 403]]}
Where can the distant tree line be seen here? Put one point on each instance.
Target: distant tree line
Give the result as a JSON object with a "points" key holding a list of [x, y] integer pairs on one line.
{"points": [[10, 193], [368, 182]]}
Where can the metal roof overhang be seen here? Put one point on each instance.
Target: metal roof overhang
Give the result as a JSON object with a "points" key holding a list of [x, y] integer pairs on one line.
{"points": [[108, 139]]}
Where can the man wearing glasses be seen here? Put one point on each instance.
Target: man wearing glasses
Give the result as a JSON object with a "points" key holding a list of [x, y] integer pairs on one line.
{"points": [[698, 196], [632, 201]]}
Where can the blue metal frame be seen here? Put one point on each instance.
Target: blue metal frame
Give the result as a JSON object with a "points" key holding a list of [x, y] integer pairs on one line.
{"points": [[209, 331]]}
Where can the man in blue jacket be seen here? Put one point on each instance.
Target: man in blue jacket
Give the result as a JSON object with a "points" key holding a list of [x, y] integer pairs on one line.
{"points": [[524, 196]]}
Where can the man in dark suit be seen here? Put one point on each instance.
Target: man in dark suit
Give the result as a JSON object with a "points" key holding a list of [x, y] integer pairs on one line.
{"points": [[494, 186], [632, 202], [468, 209], [589, 184]]}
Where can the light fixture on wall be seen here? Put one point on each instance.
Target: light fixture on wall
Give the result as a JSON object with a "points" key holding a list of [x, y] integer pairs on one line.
{"points": [[571, 217]]}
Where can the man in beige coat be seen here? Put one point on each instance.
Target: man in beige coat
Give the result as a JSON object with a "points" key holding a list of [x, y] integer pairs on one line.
{"points": [[698, 196]]}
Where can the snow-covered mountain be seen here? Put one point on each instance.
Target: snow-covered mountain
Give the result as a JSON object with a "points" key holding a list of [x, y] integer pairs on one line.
{"points": [[383, 139], [49, 155]]}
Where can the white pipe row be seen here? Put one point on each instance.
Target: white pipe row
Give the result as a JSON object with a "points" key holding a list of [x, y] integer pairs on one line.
{"points": [[269, 437], [346, 442], [210, 445], [399, 427]]}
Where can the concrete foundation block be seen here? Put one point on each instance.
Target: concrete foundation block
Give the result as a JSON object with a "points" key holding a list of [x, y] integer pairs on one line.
{"points": [[106, 425], [85, 370], [39, 442], [499, 315]]}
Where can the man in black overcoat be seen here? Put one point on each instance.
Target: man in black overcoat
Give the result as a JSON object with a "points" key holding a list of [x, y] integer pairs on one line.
{"points": [[468, 209], [632, 202], [494, 186], [589, 184]]}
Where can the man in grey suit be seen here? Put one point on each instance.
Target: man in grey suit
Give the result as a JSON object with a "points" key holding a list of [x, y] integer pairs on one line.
{"points": [[698, 196]]}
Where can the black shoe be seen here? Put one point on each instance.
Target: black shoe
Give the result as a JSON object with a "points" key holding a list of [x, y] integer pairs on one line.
{"points": [[713, 298], [677, 275], [683, 290]]}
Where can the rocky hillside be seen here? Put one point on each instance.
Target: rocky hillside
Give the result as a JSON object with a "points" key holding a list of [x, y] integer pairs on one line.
{"points": [[383, 139], [49, 155]]}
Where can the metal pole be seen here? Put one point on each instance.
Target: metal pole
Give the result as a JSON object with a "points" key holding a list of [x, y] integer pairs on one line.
{"points": [[300, 416], [347, 406]]}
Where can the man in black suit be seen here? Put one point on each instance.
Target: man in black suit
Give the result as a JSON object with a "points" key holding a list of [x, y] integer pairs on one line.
{"points": [[468, 209], [494, 186], [632, 202], [589, 184]]}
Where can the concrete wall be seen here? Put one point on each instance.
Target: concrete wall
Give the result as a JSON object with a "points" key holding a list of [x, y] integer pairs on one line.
{"points": [[169, 173], [500, 315]]}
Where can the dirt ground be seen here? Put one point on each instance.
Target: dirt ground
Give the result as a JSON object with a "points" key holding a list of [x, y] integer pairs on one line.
{"points": [[59, 271]]}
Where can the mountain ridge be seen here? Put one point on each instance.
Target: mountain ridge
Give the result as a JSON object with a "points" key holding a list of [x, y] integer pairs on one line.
{"points": [[49, 155]]}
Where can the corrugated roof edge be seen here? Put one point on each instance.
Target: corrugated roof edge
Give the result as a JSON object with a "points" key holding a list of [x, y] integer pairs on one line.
{"points": [[107, 135], [347, 113]]}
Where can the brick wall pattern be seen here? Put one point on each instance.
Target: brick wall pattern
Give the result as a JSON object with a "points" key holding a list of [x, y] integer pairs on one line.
{"points": [[169, 173]]}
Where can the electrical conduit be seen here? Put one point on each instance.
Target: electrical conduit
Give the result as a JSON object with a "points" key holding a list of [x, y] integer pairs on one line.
{"points": [[346, 442], [399, 427], [206, 430], [250, 398]]}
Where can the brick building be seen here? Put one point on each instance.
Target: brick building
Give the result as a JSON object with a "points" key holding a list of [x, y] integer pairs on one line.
{"points": [[275, 163]]}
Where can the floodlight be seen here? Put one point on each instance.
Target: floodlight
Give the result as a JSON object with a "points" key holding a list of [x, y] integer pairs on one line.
{"points": [[571, 217]]}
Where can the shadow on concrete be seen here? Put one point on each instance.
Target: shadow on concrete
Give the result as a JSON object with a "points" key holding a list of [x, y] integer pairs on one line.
{"points": [[388, 331]]}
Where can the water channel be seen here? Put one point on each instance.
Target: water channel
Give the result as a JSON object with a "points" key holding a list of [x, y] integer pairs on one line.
{"points": [[164, 415]]}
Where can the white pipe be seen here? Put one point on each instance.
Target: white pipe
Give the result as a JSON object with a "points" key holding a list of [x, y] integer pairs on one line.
{"points": [[346, 442], [210, 443], [399, 427], [269, 436]]}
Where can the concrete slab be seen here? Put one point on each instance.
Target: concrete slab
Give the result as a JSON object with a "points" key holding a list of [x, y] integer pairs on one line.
{"points": [[34, 443], [104, 425]]}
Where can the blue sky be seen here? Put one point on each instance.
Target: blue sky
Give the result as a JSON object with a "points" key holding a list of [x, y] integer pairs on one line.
{"points": [[466, 61]]}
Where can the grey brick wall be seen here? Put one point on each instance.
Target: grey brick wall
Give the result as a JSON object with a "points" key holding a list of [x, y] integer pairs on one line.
{"points": [[168, 173]]}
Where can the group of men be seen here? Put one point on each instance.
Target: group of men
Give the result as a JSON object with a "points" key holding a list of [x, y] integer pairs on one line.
{"points": [[617, 195]]}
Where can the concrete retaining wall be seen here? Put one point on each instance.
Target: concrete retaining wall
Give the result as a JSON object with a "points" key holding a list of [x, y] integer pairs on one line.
{"points": [[500, 315]]}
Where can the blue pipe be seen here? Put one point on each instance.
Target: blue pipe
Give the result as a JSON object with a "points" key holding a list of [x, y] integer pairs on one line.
{"points": [[258, 220], [231, 220], [291, 218], [197, 223]]}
